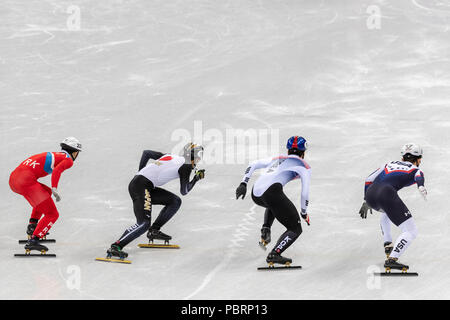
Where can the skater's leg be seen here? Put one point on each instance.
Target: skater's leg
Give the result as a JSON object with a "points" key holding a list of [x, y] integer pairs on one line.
{"points": [[171, 202], [286, 213], [268, 219], [140, 189], [51, 214], [399, 214], [409, 233], [132, 233], [266, 237], [268, 214], [35, 216], [385, 223]]}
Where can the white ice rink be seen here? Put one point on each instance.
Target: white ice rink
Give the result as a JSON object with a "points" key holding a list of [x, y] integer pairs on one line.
{"points": [[138, 71]]}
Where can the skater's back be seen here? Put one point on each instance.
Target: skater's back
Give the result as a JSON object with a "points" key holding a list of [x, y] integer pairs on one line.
{"points": [[282, 170], [398, 174]]}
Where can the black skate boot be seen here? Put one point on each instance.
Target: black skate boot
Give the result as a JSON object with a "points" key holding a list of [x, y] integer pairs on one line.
{"points": [[33, 244], [275, 257], [388, 247], [116, 251], [392, 263], [30, 229], [154, 234], [265, 238]]}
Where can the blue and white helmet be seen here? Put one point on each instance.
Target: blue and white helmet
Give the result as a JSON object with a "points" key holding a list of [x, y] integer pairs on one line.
{"points": [[297, 142]]}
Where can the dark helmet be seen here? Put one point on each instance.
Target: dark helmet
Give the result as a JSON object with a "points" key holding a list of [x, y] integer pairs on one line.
{"points": [[191, 152], [297, 142]]}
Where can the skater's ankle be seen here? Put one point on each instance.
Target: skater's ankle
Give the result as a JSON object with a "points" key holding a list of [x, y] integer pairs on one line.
{"points": [[393, 259], [33, 221], [117, 246], [155, 228]]}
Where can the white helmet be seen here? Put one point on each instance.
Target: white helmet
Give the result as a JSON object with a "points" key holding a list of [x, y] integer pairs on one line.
{"points": [[412, 149], [71, 144]]}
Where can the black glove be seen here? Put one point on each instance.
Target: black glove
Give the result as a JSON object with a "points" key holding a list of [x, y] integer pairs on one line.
{"points": [[199, 175], [305, 217], [241, 190], [363, 211]]}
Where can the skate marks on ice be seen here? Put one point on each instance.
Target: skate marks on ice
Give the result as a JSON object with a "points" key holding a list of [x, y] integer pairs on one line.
{"points": [[436, 5], [233, 249], [33, 30]]}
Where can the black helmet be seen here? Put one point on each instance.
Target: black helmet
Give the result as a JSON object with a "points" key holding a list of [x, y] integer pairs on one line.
{"points": [[191, 151]]}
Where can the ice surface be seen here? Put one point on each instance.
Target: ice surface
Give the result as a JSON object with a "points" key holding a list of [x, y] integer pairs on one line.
{"points": [[137, 71]]}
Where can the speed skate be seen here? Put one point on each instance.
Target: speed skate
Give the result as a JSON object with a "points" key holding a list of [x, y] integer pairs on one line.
{"points": [[28, 253], [42, 240], [152, 245], [404, 272], [114, 260], [287, 266]]}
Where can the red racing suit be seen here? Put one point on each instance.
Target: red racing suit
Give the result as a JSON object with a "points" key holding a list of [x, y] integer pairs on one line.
{"points": [[24, 181]]}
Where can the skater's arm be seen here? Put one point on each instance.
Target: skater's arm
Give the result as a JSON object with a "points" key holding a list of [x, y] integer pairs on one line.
{"points": [[259, 164], [419, 178], [147, 155], [305, 175], [370, 179], [59, 169], [185, 172]]}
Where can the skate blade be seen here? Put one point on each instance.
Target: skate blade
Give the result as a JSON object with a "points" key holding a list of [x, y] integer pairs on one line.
{"points": [[28, 253], [113, 260], [403, 272], [158, 246], [272, 266], [396, 274], [40, 241]]}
